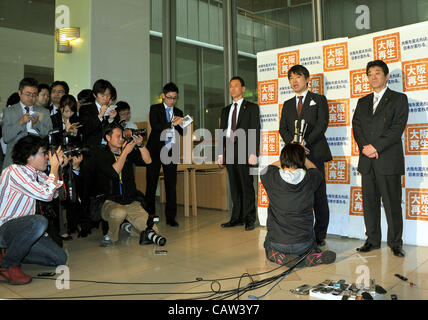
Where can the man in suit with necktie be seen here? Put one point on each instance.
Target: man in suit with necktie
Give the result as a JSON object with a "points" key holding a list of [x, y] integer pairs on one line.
{"points": [[166, 118], [24, 118], [240, 121], [313, 108], [378, 124]]}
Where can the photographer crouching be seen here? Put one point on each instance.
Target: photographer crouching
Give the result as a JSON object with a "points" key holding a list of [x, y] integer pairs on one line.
{"points": [[23, 237], [116, 180]]}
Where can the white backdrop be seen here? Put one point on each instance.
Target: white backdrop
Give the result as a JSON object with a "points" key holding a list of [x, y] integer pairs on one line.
{"points": [[337, 69]]}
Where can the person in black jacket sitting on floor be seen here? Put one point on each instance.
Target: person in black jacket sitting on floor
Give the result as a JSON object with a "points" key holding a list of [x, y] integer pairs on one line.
{"points": [[290, 221]]}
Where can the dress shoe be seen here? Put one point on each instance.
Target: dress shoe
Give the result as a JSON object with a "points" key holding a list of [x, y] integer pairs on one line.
{"points": [[231, 224], [66, 238], [172, 223], [249, 226], [398, 251], [320, 242], [367, 247]]}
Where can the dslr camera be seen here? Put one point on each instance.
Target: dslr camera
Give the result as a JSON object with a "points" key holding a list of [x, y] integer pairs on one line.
{"points": [[128, 133]]}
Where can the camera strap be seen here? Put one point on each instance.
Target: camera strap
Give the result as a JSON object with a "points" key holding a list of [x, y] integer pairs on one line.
{"points": [[120, 173]]}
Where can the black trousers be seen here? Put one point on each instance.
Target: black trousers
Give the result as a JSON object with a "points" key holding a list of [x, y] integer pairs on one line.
{"points": [[388, 187], [242, 192], [170, 179], [321, 209]]}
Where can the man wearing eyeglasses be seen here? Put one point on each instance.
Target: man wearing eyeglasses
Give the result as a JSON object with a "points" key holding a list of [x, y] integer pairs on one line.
{"points": [[164, 117], [24, 118]]}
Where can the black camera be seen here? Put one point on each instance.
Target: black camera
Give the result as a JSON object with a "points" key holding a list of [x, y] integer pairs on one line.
{"points": [[128, 133], [149, 236], [74, 152]]}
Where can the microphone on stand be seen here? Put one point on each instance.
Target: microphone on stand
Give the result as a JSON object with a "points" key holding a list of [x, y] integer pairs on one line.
{"points": [[303, 126]]}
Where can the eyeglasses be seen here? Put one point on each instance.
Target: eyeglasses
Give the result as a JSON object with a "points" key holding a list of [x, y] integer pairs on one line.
{"points": [[171, 98], [29, 94]]}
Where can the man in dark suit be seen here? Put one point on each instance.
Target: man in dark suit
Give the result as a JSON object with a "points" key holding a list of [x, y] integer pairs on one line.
{"points": [[313, 108], [378, 124], [165, 118], [240, 121]]}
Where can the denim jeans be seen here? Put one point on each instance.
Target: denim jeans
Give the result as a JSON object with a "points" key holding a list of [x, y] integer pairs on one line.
{"points": [[295, 248], [25, 242]]}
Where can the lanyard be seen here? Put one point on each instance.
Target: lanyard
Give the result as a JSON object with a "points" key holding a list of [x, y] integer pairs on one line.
{"points": [[120, 174]]}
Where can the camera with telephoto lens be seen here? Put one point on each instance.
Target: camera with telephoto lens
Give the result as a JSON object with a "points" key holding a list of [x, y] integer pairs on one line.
{"points": [[128, 133], [149, 236]]}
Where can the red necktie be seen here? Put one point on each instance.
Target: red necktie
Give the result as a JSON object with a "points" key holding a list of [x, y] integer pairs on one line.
{"points": [[299, 106]]}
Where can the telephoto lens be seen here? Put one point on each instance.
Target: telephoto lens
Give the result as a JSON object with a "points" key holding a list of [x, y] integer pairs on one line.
{"points": [[149, 236]]}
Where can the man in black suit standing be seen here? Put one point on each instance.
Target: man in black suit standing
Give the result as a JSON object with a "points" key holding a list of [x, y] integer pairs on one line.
{"points": [[165, 120], [313, 108], [244, 116], [378, 124]]}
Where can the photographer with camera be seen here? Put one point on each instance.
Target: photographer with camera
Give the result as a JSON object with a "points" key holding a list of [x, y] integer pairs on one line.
{"points": [[23, 237], [115, 177]]}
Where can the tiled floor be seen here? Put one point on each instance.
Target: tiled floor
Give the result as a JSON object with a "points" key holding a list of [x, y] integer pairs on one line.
{"points": [[200, 248]]}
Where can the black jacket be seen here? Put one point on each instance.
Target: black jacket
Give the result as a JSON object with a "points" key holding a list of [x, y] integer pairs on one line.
{"points": [[92, 127], [158, 123], [248, 118], [383, 130], [317, 118]]}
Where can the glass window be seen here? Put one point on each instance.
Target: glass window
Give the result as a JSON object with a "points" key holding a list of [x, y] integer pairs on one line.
{"points": [[350, 18], [265, 25], [156, 83]]}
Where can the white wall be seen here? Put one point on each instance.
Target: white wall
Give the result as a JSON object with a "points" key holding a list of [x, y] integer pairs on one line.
{"points": [[18, 48]]}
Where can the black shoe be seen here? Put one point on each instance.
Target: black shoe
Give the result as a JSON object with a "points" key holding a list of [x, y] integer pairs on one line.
{"points": [[367, 247], [398, 251], [172, 223], [249, 226], [67, 238], [320, 242], [231, 224]]}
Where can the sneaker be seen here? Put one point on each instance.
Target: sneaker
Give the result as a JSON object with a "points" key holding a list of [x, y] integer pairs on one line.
{"points": [[106, 242], [126, 226], [316, 258], [14, 275]]}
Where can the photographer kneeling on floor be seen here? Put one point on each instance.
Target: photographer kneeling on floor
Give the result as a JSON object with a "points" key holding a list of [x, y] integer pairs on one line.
{"points": [[290, 221], [116, 179], [23, 236]]}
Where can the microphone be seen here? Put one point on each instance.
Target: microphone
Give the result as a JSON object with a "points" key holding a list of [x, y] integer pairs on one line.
{"points": [[296, 131], [302, 127]]}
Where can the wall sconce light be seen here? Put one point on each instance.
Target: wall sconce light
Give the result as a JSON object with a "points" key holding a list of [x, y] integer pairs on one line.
{"points": [[64, 38]]}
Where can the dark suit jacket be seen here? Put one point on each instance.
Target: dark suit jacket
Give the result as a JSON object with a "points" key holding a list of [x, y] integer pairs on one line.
{"points": [[248, 118], [383, 130], [57, 124], [92, 127], [316, 116], [158, 123]]}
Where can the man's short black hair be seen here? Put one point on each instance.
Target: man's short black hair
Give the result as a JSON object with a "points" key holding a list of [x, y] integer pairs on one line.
{"points": [[238, 78], [170, 87], [300, 70], [68, 100], [85, 96], [109, 129], [293, 156], [63, 84], [122, 105], [28, 82], [13, 99], [26, 147], [113, 93], [377, 63], [101, 85], [42, 86]]}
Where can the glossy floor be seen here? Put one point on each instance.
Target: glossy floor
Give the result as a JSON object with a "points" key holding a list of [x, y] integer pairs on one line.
{"points": [[200, 249]]}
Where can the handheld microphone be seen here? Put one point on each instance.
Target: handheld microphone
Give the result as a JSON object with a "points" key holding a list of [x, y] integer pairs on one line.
{"points": [[296, 131]]}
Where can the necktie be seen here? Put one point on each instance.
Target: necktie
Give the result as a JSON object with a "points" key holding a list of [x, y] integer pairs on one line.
{"points": [[299, 106], [168, 117], [235, 111], [375, 102], [27, 109]]}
